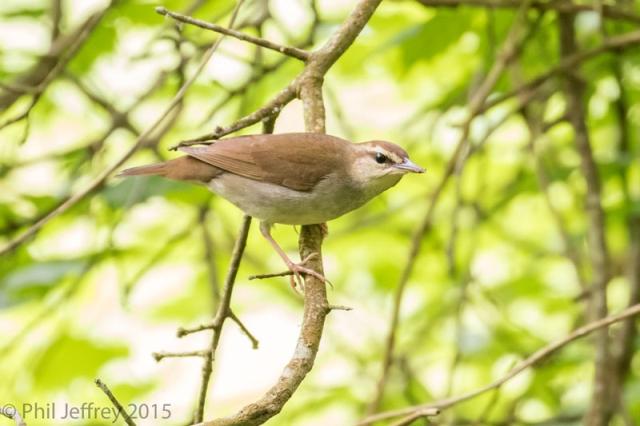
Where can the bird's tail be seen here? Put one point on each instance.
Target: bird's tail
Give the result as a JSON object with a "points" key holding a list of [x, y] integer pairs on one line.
{"points": [[159, 169], [182, 168]]}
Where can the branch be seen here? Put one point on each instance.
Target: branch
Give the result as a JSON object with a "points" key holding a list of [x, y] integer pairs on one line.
{"points": [[223, 312], [263, 70], [47, 69], [528, 362], [316, 307], [209, 254], [97, 183], [182, 331], [103, 387], [510, 47], [294, 52], [36, 81], [532, 113], [318, 63], [270, 275], [599, 412], [257, 76], [568, 62], [56, 17], [159, 356], [118, 118], [273, 107], [609, 11], [427, 412], [623, 345], [254, 341]]}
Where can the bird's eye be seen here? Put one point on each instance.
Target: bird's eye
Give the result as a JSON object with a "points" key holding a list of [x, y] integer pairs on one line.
{"points": [[381, 158]]}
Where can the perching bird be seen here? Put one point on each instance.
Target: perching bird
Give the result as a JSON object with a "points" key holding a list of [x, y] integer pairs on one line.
{"points": [[290, 178]]}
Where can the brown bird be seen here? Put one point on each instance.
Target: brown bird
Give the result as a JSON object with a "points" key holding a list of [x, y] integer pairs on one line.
{"points": [[291, 178]]}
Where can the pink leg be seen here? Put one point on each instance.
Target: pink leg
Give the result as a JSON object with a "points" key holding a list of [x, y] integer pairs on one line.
{"points": [[296, 268]]}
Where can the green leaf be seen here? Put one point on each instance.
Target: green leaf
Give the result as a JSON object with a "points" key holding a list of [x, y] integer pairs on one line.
{"points": [[130, 191], [70, 358], [424, 41], [101, 41], [36, 279]]}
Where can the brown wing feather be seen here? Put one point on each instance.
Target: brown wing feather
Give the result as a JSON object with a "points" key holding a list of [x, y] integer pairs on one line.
{"points": [[294, 160]]}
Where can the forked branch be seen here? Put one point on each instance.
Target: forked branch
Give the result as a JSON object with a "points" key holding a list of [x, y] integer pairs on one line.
{"points": [[308, 86]]}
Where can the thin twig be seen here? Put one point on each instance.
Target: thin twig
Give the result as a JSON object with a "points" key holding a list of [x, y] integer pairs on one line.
{"points": [[270, 275], [340, 308], [182, 331], [263, 71], [630, 39], [223, 312], [273, 107], [254, 342], [530, 361], [256, 77], [427, 412], [209, 254], [294, 52], [125, 416], [159, 356]]}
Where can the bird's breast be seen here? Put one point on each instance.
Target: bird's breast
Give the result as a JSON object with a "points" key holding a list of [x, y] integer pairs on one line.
{"points": [[330, 198]]}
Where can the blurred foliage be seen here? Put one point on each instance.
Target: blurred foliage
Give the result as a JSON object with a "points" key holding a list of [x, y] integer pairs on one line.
{"points": [[106, 284]]}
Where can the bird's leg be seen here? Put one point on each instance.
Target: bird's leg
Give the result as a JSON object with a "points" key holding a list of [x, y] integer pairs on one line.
{"points": [[297, 268]]}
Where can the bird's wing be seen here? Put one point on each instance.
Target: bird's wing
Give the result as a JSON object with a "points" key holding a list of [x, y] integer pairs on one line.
{"points": [[295, 160]]}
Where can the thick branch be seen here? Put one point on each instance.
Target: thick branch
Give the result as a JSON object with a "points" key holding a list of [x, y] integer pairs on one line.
{"points": [[599, 412], [316, 307], [318, 63]]}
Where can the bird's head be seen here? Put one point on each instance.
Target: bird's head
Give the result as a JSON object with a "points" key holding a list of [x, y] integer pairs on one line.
{"points": [[376, 160]]}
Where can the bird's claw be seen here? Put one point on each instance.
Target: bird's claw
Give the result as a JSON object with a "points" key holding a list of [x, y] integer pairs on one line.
{"points": [[298, 270]]}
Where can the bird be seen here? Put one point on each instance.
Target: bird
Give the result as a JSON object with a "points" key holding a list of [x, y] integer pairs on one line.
{"points": [[289, 178]]}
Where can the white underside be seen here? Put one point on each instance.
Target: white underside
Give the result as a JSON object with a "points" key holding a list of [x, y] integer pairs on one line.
{"points": [[277, 204]]}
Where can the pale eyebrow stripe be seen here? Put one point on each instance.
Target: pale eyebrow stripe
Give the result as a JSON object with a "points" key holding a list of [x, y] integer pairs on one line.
{"points": [[392, 155]]}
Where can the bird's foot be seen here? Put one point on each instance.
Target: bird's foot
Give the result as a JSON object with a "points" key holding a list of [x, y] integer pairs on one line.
{"points": [[298, 270]]}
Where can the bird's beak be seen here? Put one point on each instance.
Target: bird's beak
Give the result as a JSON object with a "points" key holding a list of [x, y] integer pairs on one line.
{"points": [[409, 166]]}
